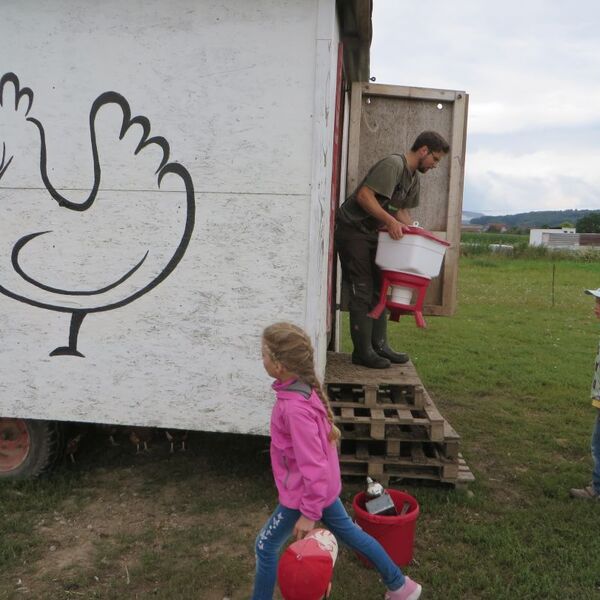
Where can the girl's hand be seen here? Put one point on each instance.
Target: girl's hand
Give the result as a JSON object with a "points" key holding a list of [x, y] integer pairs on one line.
{"points": [[303, 526]]}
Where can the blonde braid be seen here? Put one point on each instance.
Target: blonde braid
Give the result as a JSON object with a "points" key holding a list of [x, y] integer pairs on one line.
{"points": [[335, 434], [291, 346]]}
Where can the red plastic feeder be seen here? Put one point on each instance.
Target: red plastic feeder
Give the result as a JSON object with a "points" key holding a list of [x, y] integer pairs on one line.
{"points": [[407, 266], [405, 280]]}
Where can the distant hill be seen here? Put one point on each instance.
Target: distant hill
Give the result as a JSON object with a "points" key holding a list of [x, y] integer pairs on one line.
{"points": [[468, 216], [534, 219]]}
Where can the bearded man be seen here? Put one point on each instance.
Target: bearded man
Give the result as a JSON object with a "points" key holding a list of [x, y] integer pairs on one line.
{"points": [[383, 199]]}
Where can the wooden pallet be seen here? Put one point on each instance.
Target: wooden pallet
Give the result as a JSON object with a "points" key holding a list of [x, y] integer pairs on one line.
{"points": [[380, 421], [465, 475], [401, 454], [341, 370], [400, 441], [390, 426], [387, 473], [377, 396]]}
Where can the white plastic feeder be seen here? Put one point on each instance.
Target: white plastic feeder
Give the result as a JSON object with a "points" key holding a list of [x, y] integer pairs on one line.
{"points": [[407, 266], [418, 252]]}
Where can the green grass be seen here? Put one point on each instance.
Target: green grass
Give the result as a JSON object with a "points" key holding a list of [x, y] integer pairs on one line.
{"points": [[485, 239], [511, 371]]}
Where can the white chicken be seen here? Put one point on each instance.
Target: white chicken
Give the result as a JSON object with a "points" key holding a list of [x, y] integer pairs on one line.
{"points": [[117, 242]]}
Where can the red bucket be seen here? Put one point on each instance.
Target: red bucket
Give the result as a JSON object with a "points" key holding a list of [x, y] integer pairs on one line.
{"points": [[396, 533]]}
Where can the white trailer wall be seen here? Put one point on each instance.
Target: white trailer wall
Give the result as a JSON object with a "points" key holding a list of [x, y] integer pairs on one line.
{"points": [[243, 90]]}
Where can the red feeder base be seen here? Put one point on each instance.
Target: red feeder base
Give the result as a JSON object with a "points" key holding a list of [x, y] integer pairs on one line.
{"points": [[407, 280]]}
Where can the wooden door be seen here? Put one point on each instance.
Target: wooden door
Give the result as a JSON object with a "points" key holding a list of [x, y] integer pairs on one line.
{"points": [[386, 119]]}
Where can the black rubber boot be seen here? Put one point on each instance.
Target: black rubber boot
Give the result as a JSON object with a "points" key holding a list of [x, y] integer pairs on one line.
{"points": [[380, 343], [361, 329]]}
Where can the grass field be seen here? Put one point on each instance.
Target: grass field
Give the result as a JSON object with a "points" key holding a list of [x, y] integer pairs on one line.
{"points": [[485, 239], [511, 371]]}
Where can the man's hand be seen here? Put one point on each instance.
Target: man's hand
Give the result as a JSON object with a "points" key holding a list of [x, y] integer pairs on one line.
{"points": [[303, 526], [395, 229]]}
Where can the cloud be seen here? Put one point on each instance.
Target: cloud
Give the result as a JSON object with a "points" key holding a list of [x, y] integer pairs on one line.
{"points": [[541, 180], [567, 106], [532, 72]]}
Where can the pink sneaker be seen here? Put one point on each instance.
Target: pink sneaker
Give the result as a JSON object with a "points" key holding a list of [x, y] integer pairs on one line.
{"points": [[411, 590]]}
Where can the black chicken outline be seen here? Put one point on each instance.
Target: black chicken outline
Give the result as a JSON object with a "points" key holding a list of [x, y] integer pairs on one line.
{"points": [[164, 168]]}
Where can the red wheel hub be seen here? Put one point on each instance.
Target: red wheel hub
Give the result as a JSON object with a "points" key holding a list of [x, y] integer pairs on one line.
{"points": [[14, 444]]}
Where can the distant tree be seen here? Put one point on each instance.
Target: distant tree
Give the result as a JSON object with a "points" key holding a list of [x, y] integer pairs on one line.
{"points": [[590, 223], [496, 228], [545, 219], [566, 225]]}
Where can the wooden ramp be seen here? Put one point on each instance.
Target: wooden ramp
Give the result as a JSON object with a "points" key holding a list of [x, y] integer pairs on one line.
{"points": [[390, 426]]}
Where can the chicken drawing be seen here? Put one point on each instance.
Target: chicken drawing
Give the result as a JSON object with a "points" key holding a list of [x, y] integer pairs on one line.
{"points": [[84, 251]]}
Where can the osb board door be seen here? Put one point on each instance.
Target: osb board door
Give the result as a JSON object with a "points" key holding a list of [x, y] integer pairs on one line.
{"points": [[386, 119]]}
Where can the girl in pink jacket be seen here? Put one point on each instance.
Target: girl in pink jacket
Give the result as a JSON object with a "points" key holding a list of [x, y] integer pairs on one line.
{"points": [[306, 467]]}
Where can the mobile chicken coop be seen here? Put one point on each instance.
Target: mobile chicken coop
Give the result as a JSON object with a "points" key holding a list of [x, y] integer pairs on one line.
{"points": [[168, 175]]}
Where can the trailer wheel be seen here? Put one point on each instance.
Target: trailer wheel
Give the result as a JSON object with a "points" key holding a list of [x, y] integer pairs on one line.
{"points": [[27, 447]]}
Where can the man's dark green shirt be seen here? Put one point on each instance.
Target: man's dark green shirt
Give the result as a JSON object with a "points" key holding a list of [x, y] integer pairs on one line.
{"points": [[395, 187]]}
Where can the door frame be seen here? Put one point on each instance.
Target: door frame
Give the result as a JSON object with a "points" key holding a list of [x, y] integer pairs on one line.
{"points": [[458, 101]]}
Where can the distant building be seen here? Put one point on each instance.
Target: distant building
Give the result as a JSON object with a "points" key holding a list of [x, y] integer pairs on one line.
{"points": [[563, 238], [541, 237]]}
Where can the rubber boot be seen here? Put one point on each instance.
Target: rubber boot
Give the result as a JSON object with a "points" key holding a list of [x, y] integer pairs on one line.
{"points": [[380, 343], [361, 330]]}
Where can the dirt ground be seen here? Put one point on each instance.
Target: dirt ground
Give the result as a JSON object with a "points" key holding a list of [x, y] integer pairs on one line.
{"points": [[153, 524], [118, 524]]}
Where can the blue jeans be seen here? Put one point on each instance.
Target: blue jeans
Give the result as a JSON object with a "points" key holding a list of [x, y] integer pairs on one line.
{"points": [[280, 526], [596, 454]]}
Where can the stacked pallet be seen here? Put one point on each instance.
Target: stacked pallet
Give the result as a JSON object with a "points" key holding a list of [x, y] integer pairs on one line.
{"points": [[390, 426]]}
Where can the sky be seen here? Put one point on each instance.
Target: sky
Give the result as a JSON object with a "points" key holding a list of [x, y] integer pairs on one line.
{"points": [[532, 72]]}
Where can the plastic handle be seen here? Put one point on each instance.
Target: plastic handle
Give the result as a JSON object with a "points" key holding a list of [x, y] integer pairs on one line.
{"points": [[420, 231]]}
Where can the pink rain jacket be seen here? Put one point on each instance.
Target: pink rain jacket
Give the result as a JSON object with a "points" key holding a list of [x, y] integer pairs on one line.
{"points": [[305, 463]]}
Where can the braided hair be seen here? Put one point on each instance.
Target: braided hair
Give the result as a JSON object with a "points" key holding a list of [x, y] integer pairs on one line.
{"points": [[290, 346]]}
